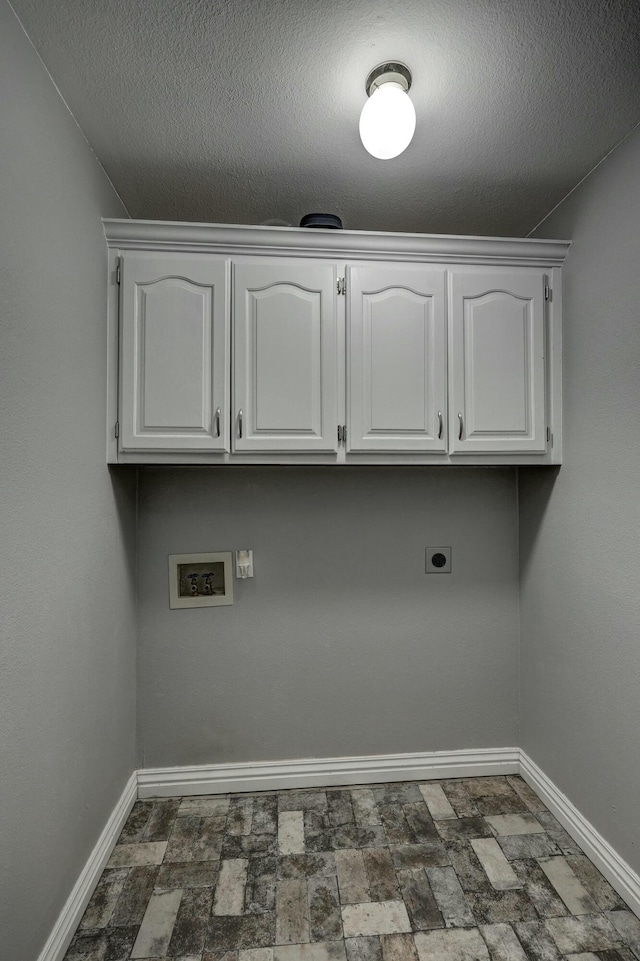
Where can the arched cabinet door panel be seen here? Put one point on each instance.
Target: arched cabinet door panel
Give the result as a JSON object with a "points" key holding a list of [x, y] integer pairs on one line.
{"points": [[397, 358], [174, 352], [497, 362], [285, 364]]}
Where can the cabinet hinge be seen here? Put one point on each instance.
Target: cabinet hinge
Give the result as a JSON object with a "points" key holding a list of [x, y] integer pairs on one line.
{"points": [[116, 429], [118, 272], [547, 292], [341, 285]]}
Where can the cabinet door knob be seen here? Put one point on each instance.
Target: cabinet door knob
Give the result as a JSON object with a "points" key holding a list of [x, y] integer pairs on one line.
{"points": [[439, 424], [240, 424], [461, 426], [217, 421]]}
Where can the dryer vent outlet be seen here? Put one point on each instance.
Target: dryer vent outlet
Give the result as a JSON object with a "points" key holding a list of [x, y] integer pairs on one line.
{"points": [[438, 560]]}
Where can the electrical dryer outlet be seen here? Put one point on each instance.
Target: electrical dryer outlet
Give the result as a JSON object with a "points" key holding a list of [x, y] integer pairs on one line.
{"points": [[437, 560]]}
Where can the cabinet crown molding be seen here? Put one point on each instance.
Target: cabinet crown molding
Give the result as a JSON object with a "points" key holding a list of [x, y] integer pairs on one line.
{"points": [[350, 244]]}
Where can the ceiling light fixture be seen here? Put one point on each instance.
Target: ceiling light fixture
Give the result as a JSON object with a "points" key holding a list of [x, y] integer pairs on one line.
{"points": [[388, 118]]}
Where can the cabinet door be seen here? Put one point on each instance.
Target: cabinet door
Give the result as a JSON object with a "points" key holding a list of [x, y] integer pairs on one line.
{"points": [[497, 380], [174, 352], [285, 367], [397, 358]]}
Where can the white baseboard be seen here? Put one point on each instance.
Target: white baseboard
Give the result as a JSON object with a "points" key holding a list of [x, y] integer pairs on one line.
{"points": [[279, 775], [72, 912], [619, 874]]}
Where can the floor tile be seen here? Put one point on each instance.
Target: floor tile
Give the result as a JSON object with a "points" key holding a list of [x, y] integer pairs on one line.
{"points": [[498, 907], [464, 860], [586, 933], [157, 925], [472, 827], [517, 847], [537, 941], [340, 808], [307, 865], [183, 839], [291, 832], [325, 918], [135, 896], [364, 807], [582, 957], [240, 816], [398, 947], [302, 800], [598, 887], [396, 828], [497, 868], [420, 821], [229, 898], [430, 855], [381, 874], [161, 820], [363, 949], [502, 942], [501, 804], [207, 845], [192, 874], [292, 912], [514, 824], [451, 946], [459, 798], [397, 792], [190, 928], [330, 951], [248, 845], [436, 800], [265, 815], [129, 855], [353, 836], [352, 876], [420, 901], [557, 833], [204, 806], [539, 889], [234, 933], [375, 917], [450, 897], [576, 898], [105, 899], [136, 823], [628, 927], [525, 792], [485, 786]]}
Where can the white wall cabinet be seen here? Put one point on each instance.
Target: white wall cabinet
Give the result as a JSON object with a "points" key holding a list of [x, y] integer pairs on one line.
{"points": [[282, 345], [174, 352], [497, 369], [285, 356], [396, 357]]}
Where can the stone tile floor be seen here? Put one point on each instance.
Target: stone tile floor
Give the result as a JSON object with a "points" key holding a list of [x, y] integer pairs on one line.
{"points": [[473, 869]]}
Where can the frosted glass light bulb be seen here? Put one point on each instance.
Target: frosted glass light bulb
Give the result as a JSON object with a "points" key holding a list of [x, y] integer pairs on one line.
{"points": [[387, 121]]}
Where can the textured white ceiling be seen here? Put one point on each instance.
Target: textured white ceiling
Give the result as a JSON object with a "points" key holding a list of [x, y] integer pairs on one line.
{"points": [[247, 110]]}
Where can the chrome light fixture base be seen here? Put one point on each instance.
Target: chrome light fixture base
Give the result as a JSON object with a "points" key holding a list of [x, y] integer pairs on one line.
{"points": [[389, 72]]}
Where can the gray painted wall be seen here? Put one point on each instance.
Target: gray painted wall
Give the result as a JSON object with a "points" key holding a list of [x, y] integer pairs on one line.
{"points": [[67, 643], [341, 644], [580, 529]]}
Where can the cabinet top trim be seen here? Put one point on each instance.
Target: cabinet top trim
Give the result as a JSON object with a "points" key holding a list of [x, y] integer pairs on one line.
{"points": [[347, 244]]}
